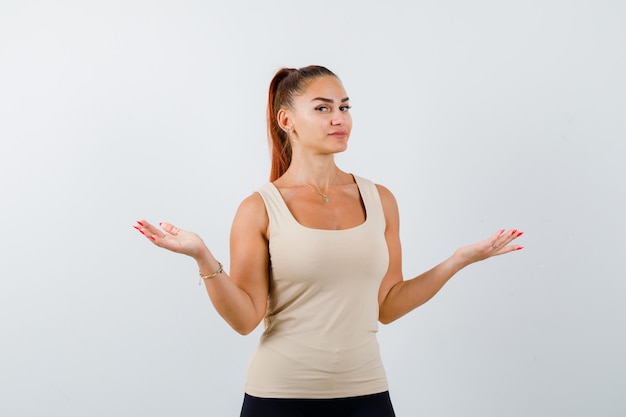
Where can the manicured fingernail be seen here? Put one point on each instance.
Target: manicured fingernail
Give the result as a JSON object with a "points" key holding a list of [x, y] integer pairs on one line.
{"points": [[501, 231], [519, 234], [153, 237], [140, 223], [520, 248], [513, 231]]}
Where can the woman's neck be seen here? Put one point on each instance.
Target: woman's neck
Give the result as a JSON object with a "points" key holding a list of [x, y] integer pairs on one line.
{"points": [[317, 172]]}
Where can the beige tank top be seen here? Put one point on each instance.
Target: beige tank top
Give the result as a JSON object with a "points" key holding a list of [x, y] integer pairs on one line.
{"points": [[322, 318]]}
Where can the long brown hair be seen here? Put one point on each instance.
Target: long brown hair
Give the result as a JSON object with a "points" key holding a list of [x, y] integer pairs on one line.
{"points": [[286, 83]]}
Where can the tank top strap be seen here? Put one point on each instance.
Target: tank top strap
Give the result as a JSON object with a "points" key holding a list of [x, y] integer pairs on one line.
{"points": [[372, 202], [277, 211]]}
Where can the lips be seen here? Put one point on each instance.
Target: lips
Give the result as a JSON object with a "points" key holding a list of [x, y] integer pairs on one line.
{"points": [[339, 134]]}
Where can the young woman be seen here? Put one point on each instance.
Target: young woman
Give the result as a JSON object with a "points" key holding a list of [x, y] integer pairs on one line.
{"points": [[315, 253]]}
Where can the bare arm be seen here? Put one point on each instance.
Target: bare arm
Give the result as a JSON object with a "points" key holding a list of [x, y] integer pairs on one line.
{"points": [[396, 296], [241, 298]]}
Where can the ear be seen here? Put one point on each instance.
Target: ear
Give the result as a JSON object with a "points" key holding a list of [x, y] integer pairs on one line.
{"points": [[284, 118]]}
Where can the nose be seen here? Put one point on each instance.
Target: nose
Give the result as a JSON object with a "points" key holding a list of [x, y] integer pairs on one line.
{"points": [[338, 119]]}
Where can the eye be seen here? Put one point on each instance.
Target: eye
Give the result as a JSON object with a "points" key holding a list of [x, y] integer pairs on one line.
{"points": [[345, 108], [322, 108]]}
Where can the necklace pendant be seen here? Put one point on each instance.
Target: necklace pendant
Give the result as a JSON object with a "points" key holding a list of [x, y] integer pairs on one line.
{"points": [[325, 198]]}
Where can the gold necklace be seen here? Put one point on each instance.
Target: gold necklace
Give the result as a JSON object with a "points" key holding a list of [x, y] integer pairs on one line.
{"points": [[324, 196]]}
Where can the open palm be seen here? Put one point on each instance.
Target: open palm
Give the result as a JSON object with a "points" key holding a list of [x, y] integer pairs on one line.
{"points": [[172, 238]]}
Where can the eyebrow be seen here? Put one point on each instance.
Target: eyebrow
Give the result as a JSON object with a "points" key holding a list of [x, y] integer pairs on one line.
{"points": [[329, 100]]}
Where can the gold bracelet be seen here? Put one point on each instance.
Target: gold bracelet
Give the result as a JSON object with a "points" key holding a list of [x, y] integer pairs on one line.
{"points": [[213, 275]]}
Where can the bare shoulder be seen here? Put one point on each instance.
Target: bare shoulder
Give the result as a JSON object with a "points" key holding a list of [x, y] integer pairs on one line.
{"points": [[252, 214], [253, 203], [386, 197]]}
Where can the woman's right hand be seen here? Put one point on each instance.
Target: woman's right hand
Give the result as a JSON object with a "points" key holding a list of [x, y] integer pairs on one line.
{"points": [[172, 238]]}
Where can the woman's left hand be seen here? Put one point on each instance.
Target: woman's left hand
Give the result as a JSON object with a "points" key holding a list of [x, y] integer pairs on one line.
{"points": [[498, 244]]}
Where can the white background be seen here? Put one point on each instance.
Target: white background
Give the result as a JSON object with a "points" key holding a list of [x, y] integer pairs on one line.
{"points": [[478, 116]]}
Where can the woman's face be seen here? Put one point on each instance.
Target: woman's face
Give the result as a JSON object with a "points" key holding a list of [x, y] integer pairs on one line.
{"points": [[320, 117]]}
